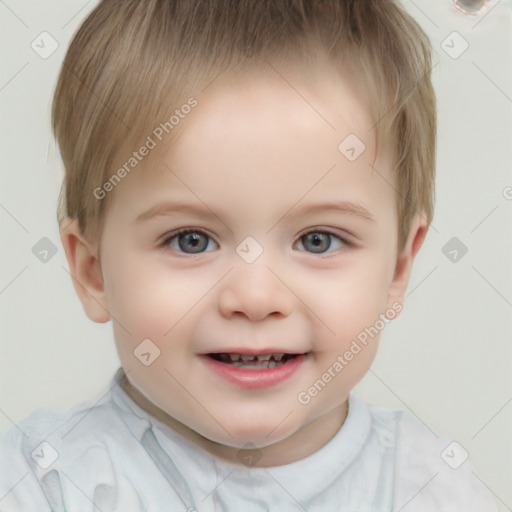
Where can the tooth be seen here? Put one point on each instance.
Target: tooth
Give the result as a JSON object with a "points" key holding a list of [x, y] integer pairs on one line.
{"points": [[272, 364], [277, 357], [247, 358], [264, 357], [234, 357]]}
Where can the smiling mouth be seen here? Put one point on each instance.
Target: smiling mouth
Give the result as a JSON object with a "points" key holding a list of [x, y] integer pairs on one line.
{"points": [[255, 362]]}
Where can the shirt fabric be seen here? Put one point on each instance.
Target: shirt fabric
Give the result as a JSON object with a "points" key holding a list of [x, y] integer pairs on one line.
{"points": [[109, 455]]}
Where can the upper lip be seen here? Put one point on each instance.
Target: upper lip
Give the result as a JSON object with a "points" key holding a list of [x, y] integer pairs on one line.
{"points": [[254, 352]]}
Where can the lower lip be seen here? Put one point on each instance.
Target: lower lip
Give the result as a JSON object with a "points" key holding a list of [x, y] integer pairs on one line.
{"points": [[255, 378]]}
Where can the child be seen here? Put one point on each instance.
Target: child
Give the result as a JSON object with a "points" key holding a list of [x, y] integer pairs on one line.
{"points": [[292, 144]]}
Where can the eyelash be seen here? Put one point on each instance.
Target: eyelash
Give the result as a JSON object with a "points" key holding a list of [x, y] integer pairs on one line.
{"points": [[347, 244]]}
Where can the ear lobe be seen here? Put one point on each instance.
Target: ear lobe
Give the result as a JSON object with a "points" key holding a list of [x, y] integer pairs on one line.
{"points": [[85, 269], [405, 260]]}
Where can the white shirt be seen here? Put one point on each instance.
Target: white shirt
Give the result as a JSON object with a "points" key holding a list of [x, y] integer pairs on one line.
{"points": [[112, 456]]}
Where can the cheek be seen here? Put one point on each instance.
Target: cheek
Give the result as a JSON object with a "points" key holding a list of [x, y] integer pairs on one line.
{"points": [[149, 298], [356, 300], [353, 297]]}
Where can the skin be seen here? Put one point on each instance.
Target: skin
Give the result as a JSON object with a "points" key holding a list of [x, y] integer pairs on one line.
{"points": [[252, 151]]}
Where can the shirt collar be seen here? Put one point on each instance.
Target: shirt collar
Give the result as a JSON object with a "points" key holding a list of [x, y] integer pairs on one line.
{"points": [[328, 462]]}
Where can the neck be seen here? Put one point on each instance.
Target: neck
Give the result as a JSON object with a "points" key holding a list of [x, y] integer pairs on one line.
{"points": [[299, 445]]}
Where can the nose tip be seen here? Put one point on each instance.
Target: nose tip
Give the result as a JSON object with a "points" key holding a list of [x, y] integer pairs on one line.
{"points": [[254, 291], [256, 313]]}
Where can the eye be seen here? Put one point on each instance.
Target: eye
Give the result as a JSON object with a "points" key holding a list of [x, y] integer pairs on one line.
{"points": [[319, 242], [189, 241]]}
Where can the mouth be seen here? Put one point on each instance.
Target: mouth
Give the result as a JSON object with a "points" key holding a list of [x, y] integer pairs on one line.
{"points": [[255, 371], [253, 361]]}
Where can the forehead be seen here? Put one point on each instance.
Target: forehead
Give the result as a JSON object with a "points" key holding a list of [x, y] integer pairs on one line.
{"points": [[269, 133], [314, 102]]}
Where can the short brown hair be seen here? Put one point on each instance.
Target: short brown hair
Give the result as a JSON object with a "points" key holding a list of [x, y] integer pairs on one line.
{"points": [[133, 59]]}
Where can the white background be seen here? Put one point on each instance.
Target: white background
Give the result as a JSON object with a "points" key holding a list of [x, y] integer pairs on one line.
{"points": [[447, 359]]}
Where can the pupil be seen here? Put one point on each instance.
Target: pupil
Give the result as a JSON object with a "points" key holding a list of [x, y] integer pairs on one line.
{"points": [[192, 240], [319, 241]]}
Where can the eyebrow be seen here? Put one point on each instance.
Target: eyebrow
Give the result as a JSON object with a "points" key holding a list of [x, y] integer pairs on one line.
{"points": [[170, 208], [346, 207]]}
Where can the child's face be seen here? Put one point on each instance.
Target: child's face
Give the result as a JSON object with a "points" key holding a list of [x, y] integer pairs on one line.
{"points": [[253, 156]]}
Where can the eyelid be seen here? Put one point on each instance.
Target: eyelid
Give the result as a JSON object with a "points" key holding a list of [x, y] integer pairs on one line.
{"points": [[165, 239], [347, 243], [344, 236], [178, 231]]}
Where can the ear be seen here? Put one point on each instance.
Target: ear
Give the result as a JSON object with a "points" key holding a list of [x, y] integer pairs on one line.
{"points": [[403, 267], [84, 264]]}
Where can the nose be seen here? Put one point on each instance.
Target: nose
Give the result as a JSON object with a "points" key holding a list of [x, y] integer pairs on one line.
{"points": [[255, 291]]}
